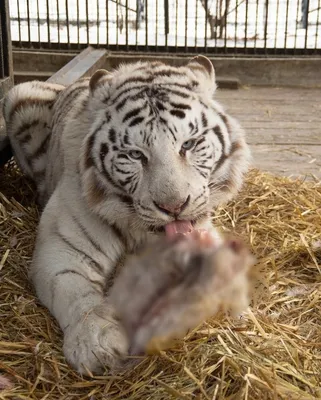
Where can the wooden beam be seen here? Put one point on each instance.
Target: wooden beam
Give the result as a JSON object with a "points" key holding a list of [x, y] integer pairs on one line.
{"points": [[84, 64]]}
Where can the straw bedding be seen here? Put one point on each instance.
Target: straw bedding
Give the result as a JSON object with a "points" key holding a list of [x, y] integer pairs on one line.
{"points": [[273, 351]]}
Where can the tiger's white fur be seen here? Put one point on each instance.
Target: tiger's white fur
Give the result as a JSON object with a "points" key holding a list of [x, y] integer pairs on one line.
{"points": [[112, 161]]}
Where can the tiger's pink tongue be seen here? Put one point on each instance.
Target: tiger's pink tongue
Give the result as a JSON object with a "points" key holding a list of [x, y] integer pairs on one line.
{"points": [[175, 227]]}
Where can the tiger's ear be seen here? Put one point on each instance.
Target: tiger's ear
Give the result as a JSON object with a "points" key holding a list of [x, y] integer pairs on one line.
{"points": [[96, 78], [203, 69]]}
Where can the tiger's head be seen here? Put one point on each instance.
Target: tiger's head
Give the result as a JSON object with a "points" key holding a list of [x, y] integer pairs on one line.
{"points": [[160, 148]]}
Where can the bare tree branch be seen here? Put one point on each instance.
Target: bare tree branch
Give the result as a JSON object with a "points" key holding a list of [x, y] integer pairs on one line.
{"points": [[217, 21]]}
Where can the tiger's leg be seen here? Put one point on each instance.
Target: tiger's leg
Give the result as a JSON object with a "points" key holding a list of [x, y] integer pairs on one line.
{"points": [[93, 337], [72, 273]]}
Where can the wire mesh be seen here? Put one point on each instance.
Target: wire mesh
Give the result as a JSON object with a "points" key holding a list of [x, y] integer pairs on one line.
{"points": [[210, 26]]}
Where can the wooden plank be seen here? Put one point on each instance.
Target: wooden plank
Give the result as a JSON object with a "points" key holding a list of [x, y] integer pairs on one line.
{"points": [[282, 133], [231, 83], [5, 85], [288, 160], [277, 116], [268, 93], [84, 64], [282, 138], [256, 110]]}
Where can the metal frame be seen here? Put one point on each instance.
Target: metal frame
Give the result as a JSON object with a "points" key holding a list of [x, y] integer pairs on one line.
{"points": [[6, 68], [182, 50], [6, 71]]}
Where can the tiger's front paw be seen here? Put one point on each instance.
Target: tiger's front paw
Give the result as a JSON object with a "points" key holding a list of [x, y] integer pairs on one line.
{"points": [[96, 343]]}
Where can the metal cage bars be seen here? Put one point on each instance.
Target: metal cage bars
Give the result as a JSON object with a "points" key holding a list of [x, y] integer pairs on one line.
{"points": [[275, 27]]}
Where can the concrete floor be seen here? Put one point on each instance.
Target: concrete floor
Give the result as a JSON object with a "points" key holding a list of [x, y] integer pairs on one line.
{"points": [[283, 127]]}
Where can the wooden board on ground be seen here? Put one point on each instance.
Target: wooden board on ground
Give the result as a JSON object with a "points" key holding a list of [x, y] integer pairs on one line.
{"points": [[84, 64], [283, 127], [289, 160]]}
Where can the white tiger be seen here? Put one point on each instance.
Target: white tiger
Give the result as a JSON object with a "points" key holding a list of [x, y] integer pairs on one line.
{"points": [[118, 159]]}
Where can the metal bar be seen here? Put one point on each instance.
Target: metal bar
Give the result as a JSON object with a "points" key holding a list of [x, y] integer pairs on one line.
{"points": [[6, 71], [48, 23], [117, 25], [6, 40], [107, 25], [235, 26], [196, 24], [185, 15], [256, 22], [286, 24], [87, 21], [58, 20], [246, 23], [166, 21], [19, 21], [38, 22], [296, 23], [318, 24], [176, 23], [306, 22], [266, 22], [3, 60], [239, 51], [67, 23], [98, 22], [276, 24], [146, 25], [186, 22], [205, 24], [78, 23], [137, 20], [126, 19], [156, 30], [28, 22], [218, 15], [225, 24]]}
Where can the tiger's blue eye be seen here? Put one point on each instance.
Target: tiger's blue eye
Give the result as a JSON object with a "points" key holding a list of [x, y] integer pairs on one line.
{"points": [[136, 154], [188, 144]]}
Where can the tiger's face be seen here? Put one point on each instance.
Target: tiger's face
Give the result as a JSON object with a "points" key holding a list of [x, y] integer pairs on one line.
{"points": [[161, 143]]}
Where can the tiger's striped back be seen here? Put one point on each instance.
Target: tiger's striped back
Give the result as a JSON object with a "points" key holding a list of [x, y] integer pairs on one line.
{"points": [[27, 110], [69, 105]]}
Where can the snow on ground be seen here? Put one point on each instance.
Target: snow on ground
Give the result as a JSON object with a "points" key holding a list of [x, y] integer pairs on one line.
{"points": [[84, 21]]}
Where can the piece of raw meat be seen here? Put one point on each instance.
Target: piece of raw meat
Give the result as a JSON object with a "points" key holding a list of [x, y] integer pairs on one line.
{"points": [[177, 283]]}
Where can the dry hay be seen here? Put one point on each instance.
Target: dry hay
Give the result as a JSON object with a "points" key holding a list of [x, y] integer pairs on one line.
{"points": [[271, 352]]}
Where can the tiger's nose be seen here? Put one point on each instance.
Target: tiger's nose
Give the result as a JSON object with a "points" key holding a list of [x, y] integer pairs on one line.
{"points": [[173, 208]]}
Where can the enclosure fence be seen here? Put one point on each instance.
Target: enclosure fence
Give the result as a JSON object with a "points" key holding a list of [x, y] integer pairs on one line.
{"points": [[281, 27], [5, 51]]}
